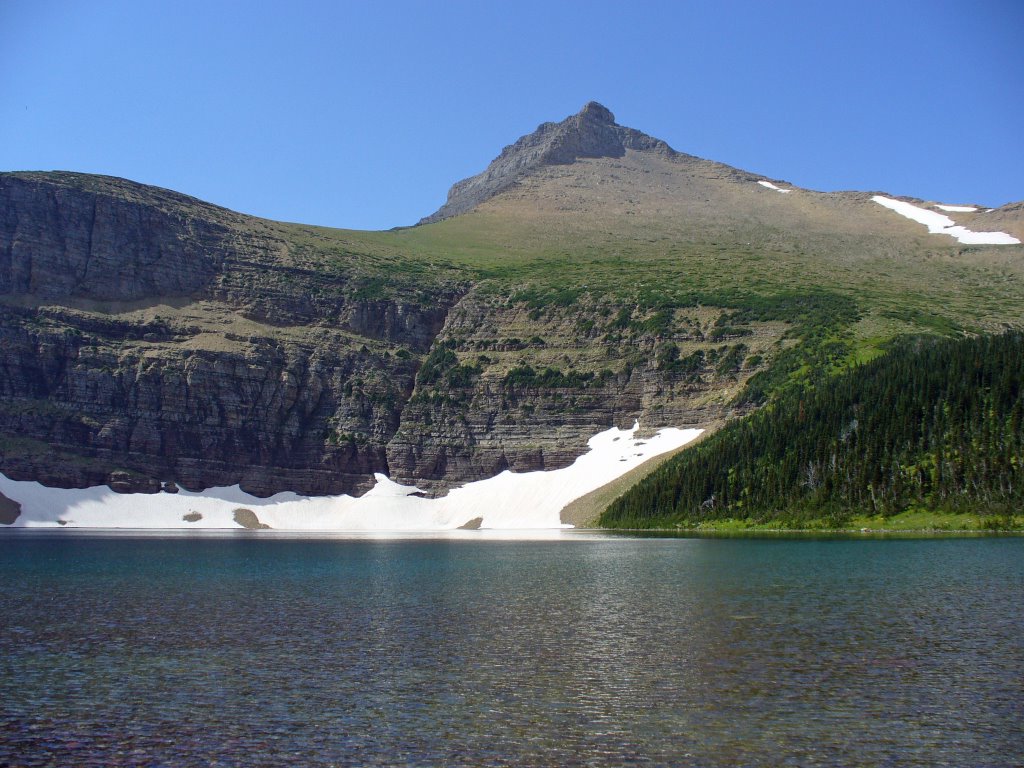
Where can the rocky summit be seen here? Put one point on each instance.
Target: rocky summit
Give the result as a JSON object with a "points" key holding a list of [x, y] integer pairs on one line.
{"points": [[590, 277], [590, 133]]}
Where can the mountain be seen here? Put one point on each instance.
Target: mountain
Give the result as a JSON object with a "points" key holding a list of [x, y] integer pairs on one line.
{"points": [[589, 277], [588, 165], [591, 133]]}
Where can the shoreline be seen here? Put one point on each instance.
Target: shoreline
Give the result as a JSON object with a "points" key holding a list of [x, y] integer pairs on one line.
{"points": [[499, 535], [853, 532], [584, 512], [506, 501]]}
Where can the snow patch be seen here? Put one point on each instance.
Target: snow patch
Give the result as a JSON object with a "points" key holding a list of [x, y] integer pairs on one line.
{"points": [[509, 501], [956, 208], [769, 185], [939, 224]]}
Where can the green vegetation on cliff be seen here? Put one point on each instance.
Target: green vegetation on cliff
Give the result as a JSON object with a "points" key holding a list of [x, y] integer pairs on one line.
{"points": [[931, 426]]}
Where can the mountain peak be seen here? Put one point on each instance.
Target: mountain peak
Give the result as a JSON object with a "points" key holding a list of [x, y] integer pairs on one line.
{"points": [[597, 112], [590, 133]]}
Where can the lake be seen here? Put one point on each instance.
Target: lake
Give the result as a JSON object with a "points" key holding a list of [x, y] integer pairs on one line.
{"points": [[260, 649]]}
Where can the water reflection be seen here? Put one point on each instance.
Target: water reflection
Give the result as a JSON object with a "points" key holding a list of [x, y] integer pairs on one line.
{"points": [[571, 651]]}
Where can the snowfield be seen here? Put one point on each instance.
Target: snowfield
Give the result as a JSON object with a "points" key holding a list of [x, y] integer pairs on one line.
{"points": [[940, 224], [769, 185], [508, 501], [957, 208]]}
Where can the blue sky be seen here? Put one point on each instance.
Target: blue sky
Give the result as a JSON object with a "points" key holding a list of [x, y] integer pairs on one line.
{"points": [[363, 114]]}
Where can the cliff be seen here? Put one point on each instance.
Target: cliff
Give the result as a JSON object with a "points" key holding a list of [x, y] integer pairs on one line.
{"points": [[149, 340]]}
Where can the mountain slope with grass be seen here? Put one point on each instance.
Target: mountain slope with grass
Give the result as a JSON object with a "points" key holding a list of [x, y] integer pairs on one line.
{"points": [[591, 277]]}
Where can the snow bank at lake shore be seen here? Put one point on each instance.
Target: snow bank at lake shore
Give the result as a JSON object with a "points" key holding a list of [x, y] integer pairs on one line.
{"points": [[507, 501]]}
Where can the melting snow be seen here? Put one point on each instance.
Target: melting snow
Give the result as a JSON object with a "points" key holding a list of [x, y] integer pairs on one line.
{"points": [[939, 224], [527, 500], [768, 184]]}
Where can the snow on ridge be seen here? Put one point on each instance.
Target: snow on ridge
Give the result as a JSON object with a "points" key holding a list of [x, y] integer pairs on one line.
{"points": [[940, 224], [956, 208], [769, 185], [508, 501]]}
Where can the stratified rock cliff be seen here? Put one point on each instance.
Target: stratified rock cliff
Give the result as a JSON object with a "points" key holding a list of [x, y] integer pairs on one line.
{"points": [[98, 238], [83, 407], [507, 387], [146, 337]]}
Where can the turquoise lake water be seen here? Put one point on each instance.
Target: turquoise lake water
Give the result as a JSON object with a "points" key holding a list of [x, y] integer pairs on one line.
{"points": [[253, 650]]}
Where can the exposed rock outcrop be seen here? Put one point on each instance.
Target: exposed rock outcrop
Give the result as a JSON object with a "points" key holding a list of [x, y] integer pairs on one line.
{"points": [[148, 338], [487, 400], [84, 409], [248, 519], [62, 235], [10, 510], [592, 132]]}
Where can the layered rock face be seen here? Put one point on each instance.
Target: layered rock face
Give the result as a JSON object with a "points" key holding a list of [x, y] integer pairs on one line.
{"points": [[506, 387], [148, 338], [61, 241], [85, 408]]}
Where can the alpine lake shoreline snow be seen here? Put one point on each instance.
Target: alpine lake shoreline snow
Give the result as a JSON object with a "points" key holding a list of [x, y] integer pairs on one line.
{"points": [[527, 501]]}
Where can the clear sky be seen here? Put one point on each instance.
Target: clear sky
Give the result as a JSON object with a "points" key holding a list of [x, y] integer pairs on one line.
{"points": [[362, 114]]}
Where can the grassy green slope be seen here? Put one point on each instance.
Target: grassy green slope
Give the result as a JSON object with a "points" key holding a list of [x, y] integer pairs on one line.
{"points": [[873, 275]]}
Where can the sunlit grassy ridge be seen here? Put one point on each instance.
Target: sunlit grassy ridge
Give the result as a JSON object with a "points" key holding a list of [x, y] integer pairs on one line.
{"points": [[635, 248], [866, 287]]}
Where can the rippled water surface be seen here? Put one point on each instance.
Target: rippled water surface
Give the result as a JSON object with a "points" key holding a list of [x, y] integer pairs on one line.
{"points": [[582, 650]]}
